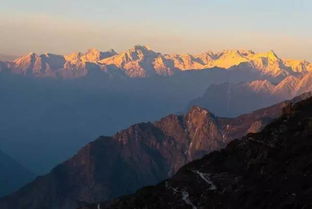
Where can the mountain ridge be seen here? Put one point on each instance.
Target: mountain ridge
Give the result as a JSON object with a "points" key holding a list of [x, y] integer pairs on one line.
{"points": [[141, 155], [269, 169], [260, 93], [141, 61]]}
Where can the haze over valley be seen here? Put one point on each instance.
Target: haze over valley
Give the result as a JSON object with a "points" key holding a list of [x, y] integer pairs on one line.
{"points": [[159, 104], [63, 102]]}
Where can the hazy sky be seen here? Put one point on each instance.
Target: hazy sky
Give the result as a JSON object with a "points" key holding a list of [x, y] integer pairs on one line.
{"points": [[182, 26]]}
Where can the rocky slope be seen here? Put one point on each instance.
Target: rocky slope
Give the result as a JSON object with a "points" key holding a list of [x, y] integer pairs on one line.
{"points": [[270, 169], [13, 175], [141, 61], [141, 155]]}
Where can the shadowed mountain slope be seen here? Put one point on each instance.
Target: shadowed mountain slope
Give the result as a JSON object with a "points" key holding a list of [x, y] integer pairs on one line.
{"points": [[141, 155], [270, 169], [236, 98]]}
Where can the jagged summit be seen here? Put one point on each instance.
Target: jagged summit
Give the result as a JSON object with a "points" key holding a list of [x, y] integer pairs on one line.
{"points": [[196, 111], [92, 55], [237, 52], [270, 55], [142, 61]]}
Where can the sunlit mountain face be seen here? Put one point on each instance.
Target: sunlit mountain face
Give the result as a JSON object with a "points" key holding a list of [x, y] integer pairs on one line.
{"points": [[142, 61], [61, 102], [159, 104]]}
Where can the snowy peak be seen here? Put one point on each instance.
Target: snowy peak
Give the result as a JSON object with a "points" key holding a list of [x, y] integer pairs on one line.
{"points": [[139, 52], [142, 61], [299, 66], [270, 55], [43, 65], [96, 55], [136, 53], [230, 58], [92, 55], [235, 54], [135, 62]]}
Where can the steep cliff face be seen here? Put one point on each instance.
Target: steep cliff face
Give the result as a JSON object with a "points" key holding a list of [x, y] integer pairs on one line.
{"points": [[141, 155], [204, 132], [270, 169]]}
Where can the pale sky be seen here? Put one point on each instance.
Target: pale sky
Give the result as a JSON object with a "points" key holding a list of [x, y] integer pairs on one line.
{"points": [[171, 26]]}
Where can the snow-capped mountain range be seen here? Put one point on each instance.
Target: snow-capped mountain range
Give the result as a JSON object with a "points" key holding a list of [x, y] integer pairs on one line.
{"points": [[119, 89], [142, 61]]}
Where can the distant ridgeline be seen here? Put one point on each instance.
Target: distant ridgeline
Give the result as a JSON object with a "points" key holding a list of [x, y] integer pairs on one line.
{"points": [[52, 105], [142, 61], [65, 101]]}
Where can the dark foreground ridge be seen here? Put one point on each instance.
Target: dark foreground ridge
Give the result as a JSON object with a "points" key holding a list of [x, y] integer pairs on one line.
{"points": [[144, 154], [270, 169]]}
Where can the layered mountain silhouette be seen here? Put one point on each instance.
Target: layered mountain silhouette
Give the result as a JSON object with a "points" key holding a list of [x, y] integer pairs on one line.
{"points": [[64, 101], [226, 98], [58, 116], [270, 169], [142, 61], [143, 154], [13, 175]]}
